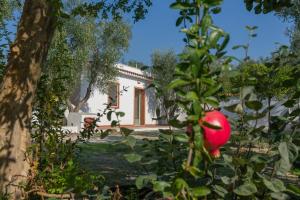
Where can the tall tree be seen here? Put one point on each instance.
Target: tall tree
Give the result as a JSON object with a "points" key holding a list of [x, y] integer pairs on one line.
{"points": [[292, 14], [163, 70], [36, 27], [111, 41], [19, 84]]}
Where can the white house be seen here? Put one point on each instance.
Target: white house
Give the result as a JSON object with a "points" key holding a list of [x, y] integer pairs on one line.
{"points": [[128, 94]]}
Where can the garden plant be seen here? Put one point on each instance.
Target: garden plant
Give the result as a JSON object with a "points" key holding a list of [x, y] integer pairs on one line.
{"points": [[230, 145]]}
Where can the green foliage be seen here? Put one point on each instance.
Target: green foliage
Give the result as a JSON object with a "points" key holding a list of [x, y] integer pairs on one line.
{"points": [[112, 43], [258, 154], [163, 67], [58, 170], [54, 163], [7, 9], [251, 34], [178, 165], [55, 167], [265, 6], [6, 16], [162, 71], [95, 47], [105, 9]]}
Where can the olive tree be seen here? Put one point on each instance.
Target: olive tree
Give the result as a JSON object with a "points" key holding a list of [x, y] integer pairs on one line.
{"points": [[163, 70], [110, 41], [38, 22]]}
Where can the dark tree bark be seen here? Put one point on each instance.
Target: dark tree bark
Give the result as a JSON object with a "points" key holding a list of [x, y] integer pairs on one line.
{"points": [[27, 53]]}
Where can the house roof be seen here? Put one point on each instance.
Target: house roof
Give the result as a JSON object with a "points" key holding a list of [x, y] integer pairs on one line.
{"points": [[134, 72]]}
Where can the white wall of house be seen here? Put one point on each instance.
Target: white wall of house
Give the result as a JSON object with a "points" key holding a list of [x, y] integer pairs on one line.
{"points": [[127, 84]]}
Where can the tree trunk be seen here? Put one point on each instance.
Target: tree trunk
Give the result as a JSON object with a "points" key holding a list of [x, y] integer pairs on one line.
{"points": [[17, 91], [85, 98]]}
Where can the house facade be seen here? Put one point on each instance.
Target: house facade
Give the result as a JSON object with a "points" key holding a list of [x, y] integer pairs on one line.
{"points": [[128, 94]]}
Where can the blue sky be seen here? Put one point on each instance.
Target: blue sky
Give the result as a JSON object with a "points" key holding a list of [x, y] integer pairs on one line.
{"points": [[158, 31]]}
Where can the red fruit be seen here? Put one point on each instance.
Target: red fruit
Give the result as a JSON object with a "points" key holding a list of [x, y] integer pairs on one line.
{"points": [[215, 138]]}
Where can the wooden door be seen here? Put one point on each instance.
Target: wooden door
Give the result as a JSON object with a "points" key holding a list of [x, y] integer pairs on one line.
{"points": [[139, 107]]}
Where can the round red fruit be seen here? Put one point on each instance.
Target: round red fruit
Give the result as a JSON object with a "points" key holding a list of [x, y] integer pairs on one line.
{"points": [[215, 138]]}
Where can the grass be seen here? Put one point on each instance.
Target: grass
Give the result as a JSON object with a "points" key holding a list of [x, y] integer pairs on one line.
{"points": [[107, 159]]}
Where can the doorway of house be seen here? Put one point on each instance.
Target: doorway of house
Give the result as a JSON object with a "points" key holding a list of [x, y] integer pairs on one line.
{"points": [[139, 107]]}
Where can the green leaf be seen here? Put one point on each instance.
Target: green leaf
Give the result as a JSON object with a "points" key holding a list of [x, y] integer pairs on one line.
{"points": [[192, 96], [274, 185], [211, 3], [180, 6], [226, 180], [295, 113], [249, 5], [109, 115], [126, 131], [212, 126], [114, 123], [248, 90], [198, 138], [130, 141], [295, 190], [159, 186], [179, 21], [224, 44], [235, 108], [220, 190], [212, 90], [180, 184], [142, 181], [165, 131], [216, 10], [176, 123], [206, 23], [105, 133], [197, 107], [254, 105], [239, 46], [178, 83], [121, 114], [251, 28], [133, 157], [200, 191], [214, 37], [290, 103], [181, 137], [279, 196], [247, 189], [283, 150], [240, 161], [213, 101], [194, 171], [254, 116], [296, 172], [283, 166]]}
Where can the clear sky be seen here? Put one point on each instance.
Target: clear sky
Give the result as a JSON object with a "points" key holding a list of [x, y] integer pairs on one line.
{"points": [[158, 31]]}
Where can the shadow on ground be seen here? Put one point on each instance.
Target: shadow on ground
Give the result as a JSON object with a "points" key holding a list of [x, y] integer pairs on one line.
{"points": [[106, 158]]}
